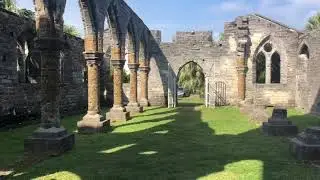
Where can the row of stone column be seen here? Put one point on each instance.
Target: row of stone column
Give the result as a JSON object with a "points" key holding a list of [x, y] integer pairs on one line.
{"points": [[93, 121]]}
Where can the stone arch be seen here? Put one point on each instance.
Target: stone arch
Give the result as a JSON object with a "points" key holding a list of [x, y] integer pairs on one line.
{"points": [[132, 42], [143, 48], [201, 75], [183, 65], [93, 17], [304, 51]]}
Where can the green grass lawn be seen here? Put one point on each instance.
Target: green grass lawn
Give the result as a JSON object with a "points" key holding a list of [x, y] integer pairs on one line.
{"points": [[162, 143]]}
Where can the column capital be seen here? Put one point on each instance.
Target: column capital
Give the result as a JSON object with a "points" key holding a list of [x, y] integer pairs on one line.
{"points": [[144, 68], [133, 66], [93, 57], [118, 63]]}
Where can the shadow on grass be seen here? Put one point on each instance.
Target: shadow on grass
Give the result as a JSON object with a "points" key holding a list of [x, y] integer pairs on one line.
{"points": [[181, 144]]}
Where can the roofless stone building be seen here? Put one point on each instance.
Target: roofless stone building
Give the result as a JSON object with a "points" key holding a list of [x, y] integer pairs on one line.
{"points": [[260, 62]]}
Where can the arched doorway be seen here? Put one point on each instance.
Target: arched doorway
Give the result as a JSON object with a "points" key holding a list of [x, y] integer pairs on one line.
{"points": [[187, 85]]}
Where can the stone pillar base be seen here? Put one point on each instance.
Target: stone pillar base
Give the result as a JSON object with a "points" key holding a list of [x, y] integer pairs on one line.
{"points": [[49, 142], [144, 103], [118, 114], [93, 124], [134, 108]]}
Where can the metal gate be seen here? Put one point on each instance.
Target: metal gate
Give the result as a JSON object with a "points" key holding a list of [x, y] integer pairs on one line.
{"points": [[216, 95], [220, 93]]}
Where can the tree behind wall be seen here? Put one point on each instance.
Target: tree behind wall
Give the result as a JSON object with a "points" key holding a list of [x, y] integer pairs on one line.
{"points": [[191, 78], [72, 30], [313, 22], [10, 5]]}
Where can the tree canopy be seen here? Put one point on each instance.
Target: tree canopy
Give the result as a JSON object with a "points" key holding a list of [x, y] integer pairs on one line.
{"points": [[313, 22], [191, 78], [70, 29]]}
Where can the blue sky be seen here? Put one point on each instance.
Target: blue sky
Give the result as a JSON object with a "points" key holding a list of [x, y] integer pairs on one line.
{"points": [[170, 16]]}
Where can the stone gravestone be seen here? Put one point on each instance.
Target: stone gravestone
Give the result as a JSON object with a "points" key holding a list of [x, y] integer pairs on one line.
{"points": [[278, 124], [306, 146]]}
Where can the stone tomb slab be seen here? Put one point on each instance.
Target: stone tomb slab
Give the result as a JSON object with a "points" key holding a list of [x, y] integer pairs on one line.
{"points": [[51, 142], [278, 124], [306, 146]]}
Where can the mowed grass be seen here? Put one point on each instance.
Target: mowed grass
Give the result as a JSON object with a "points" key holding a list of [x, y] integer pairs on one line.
{"points": [[188, 142]]}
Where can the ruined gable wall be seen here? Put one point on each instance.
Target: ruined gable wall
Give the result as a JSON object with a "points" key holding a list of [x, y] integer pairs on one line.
{"points": [[286, 42], [308, 85]]}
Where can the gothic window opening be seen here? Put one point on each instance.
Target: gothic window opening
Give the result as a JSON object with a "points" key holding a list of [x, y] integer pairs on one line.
{"points": [[267, 63], [22, 54], [305, 52], [4, 58], [261, 68], [275, 68], [61, 67]]}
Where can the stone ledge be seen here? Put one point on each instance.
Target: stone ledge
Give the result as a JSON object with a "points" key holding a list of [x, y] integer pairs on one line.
{"points": [[303, 151]]}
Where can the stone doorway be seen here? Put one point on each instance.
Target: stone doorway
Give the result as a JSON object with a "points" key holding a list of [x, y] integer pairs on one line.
{"points": [[188, 81]]}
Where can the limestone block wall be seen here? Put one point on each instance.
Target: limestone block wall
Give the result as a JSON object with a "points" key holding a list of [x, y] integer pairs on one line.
{"points": [[19, 92], [308, 69], [216, 60]]}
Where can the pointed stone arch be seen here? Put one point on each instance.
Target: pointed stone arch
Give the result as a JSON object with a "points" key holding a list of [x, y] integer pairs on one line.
{"points": [[304, 51]]}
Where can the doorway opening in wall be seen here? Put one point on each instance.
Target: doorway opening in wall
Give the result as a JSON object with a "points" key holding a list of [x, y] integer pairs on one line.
{"points": [[191, 85]]}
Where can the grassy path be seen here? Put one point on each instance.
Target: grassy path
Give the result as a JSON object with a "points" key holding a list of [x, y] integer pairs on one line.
{"points": [[183, 143]]}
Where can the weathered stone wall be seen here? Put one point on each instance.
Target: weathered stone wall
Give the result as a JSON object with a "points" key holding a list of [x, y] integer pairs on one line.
{"points": [[218, 60], [308, 68], [285, 41], [20, 70]]}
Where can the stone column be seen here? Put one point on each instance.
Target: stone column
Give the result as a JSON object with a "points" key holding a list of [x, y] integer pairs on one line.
{"points": [[133, 107], [144, 73], [50, 138], [93, 122], [241, 69], [118, 112]]}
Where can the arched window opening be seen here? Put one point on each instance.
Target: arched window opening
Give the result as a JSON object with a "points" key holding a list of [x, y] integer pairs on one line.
{"points": [[4, 58], [261, 68], [275, 68], [22, 54], [61, 67], [305, 51]]}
